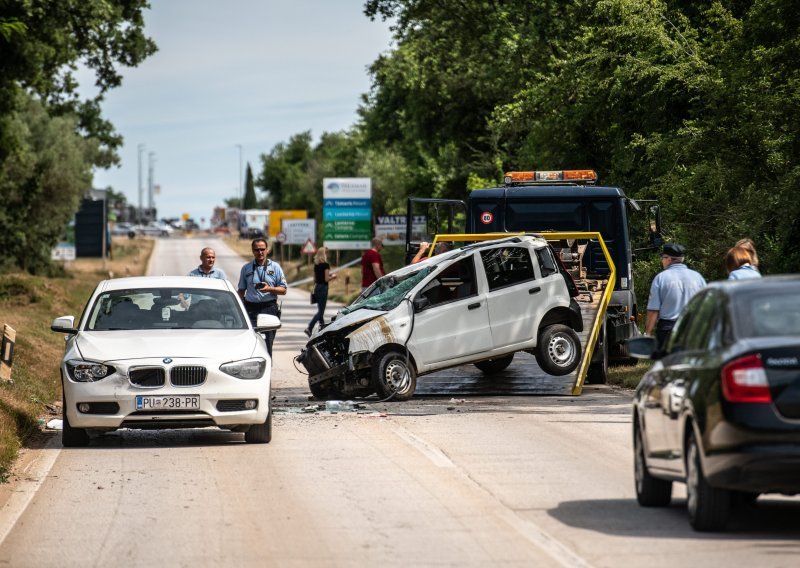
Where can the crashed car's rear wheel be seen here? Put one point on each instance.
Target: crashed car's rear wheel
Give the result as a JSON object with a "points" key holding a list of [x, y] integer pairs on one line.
{"points": [[394, 377], [260, 433], [71, 437], [492, 366], [558, 351]]}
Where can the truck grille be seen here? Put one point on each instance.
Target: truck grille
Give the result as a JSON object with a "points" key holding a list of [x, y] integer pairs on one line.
{"points": [[187, 375]]}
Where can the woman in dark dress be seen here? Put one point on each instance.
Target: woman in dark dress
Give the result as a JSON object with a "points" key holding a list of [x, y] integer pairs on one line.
{"points": [[322, 275]]}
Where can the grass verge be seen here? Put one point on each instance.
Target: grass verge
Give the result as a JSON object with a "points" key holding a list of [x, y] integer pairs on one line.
{"points": [[29, 304]]}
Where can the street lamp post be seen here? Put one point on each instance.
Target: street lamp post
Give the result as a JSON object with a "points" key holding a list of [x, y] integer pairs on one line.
{"points": [[241, 191], [139, 212]]}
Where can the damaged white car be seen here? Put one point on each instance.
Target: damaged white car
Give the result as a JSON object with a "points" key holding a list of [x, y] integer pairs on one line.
{"points": [[478, 304]]}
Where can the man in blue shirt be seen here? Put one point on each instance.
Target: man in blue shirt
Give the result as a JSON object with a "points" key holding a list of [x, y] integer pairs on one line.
{"points": [[260, 284], [206, 269], [671, 290]]}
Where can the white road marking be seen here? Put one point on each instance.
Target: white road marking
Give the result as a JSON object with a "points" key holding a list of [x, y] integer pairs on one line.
{"points": [[31, 478]]}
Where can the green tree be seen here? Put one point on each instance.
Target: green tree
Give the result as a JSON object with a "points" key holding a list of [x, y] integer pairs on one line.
{"points": [[42, 183], [249, 189]]}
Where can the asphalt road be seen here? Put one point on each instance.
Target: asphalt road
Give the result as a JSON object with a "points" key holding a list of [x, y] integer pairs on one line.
{"points": [[455, 480]]}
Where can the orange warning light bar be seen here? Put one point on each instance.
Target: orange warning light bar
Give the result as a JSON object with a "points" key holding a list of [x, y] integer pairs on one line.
{"points": [[586, 176]]}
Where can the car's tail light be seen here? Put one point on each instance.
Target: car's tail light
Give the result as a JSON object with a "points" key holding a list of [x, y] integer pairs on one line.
{"points": [[744, 380]]}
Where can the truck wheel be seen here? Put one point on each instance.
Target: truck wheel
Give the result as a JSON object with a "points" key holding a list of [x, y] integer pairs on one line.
{"points": [[492, 366], [394, 377], [71, 437], [598, 370], [558, 350]]}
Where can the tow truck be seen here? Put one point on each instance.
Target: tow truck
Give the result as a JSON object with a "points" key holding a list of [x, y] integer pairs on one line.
{"points": [[553, 201]]}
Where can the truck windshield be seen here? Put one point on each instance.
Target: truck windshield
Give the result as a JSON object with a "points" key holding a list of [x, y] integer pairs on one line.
{"points": [[387, 293]]}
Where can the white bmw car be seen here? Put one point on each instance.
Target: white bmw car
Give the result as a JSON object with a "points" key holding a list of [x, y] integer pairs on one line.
{"points": [[165, 352]]}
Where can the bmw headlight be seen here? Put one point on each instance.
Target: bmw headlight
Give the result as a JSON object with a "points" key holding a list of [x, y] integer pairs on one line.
{"points": [[247, 369], [88, 371]]}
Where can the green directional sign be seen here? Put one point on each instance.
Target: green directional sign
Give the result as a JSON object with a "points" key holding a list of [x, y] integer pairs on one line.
{"points": [[347, 213]]}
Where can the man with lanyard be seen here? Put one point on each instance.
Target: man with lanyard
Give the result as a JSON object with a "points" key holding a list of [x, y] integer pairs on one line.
{"points": [[671, 290], [206, 268], [260, 284]]}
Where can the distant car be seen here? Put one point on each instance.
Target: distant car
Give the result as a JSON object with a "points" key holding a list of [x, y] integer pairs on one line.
{"points": [[478, 304], [155, 229], [720, 408], [165, 352], [126, 229]]}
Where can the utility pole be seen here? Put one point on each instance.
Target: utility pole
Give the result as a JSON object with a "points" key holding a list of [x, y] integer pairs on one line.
{"points": [[151, 162], [241, 191], [139, 211]]}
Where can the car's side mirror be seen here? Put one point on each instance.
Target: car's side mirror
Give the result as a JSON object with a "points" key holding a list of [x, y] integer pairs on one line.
{"points": [[267, 322], [644, 347], [420, 303], [64, 324]]}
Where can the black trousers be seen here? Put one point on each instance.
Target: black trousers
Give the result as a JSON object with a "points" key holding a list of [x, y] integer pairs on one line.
{"points": [[255, 308], [663, 331]]}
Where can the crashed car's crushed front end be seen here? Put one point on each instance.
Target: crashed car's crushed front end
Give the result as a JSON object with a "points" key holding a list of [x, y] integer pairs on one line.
{"points": [[339, 358], [332, 369]]}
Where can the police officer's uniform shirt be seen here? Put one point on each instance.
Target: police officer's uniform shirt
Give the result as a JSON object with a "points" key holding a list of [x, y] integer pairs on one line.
{"points": [[215, 273], [252, 275], [672, 289]]}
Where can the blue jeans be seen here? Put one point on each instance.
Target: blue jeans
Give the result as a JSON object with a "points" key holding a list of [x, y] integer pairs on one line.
{"points": [[321, 292]]}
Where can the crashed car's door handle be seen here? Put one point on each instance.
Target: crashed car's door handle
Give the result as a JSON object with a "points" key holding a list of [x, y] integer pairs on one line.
{"points": [[534, 290], [473, 306]]}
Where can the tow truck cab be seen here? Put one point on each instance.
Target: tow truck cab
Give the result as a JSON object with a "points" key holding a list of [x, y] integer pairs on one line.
{"points": [[567, 200]]}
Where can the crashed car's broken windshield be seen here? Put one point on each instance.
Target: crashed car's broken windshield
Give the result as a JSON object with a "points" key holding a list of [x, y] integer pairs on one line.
{"points": [[388, 292]]}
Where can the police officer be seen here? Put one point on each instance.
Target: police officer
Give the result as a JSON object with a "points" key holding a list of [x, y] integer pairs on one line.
{"points": [[671, 290], [260, 284]]}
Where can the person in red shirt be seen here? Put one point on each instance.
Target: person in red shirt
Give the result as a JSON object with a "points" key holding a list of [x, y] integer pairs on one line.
{"points": [[371, 264]]}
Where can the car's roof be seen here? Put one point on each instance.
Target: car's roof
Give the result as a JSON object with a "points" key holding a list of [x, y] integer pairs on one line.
{"points": [[164, 282], [748, 285]]}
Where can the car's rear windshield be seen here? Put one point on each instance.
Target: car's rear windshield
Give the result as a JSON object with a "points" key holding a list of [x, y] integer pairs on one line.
{"points": [[768, 312], [165, 308]]}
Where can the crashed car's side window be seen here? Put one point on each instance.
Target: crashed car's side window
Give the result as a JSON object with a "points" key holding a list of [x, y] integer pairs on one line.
{"points": [[455, 282], [547, 261], [506, 266]]}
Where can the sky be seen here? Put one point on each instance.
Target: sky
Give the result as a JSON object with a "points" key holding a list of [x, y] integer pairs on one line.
{"points": [[247, 73]]}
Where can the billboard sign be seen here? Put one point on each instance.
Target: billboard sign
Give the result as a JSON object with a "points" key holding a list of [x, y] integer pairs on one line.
{"points": [[392, 228], [276, 219], [347, 213], [298, 231]]}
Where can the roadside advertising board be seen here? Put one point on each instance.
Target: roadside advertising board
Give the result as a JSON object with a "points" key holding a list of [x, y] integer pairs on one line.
{"points": [[298, 231], [276, 218], [347, 213], [63, 251], [392, 228]]}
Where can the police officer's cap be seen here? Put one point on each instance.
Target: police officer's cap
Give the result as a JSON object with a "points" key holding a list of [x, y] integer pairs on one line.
{"points": [[674, 249]]}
